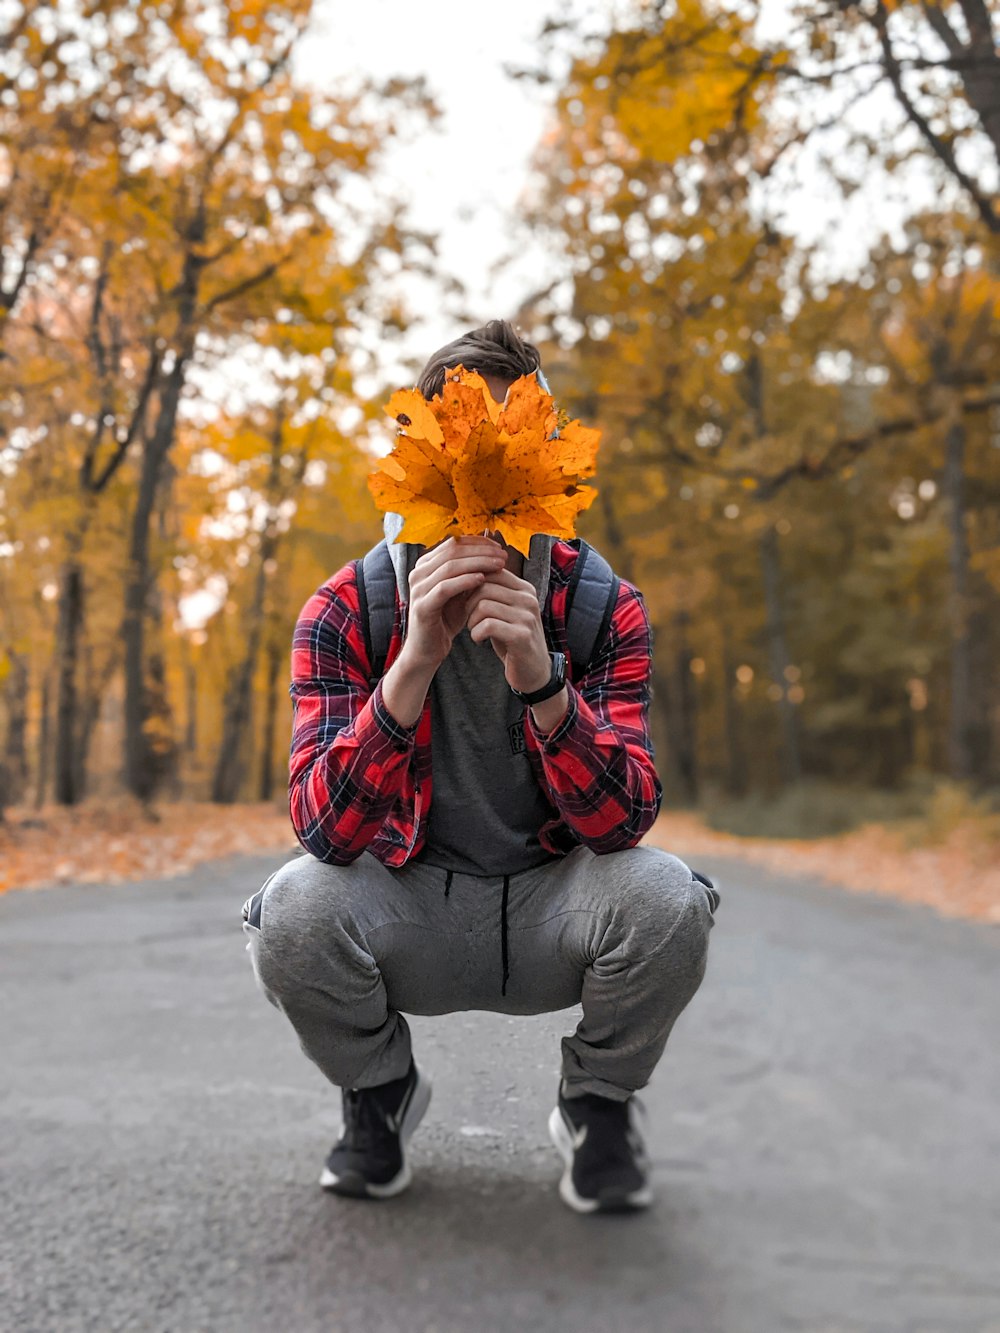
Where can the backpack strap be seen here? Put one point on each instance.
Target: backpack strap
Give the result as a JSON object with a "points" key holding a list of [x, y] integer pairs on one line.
{"points": [[590, 603], [376, 580]]}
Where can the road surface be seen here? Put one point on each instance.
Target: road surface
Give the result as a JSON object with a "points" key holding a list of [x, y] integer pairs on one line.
{"points": [[825, 1128]]}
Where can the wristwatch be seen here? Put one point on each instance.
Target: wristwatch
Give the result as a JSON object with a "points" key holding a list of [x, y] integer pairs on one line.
{"points": [[555, 682]]}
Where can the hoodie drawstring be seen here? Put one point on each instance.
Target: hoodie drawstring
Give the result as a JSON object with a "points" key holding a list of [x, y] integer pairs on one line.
{"points": [[448, 876], [503, 934]]}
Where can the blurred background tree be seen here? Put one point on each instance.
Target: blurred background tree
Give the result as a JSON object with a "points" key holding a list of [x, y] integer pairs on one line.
{"points": [[801, 472], [799, 388], [183, 227]]}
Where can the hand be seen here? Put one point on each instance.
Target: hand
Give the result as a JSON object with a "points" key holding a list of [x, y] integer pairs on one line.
{"points": [[505, 610], [441, 584]]}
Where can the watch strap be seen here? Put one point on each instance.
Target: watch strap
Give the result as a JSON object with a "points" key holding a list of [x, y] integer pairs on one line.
{"points": [[554, 684]]}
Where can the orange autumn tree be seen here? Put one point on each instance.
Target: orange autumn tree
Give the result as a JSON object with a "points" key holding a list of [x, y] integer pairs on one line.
{"points": [[465, 464], [174, 197]]}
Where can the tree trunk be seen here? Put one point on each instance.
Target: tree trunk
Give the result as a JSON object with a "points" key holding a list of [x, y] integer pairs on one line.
{"points": [[274, 660], [190, 704], [69, 624], [44, 743], [621, 556], [960, 718], [777, 649], [982, 675], [736, 764], [685, 719], [981, 75], [89, 713], [140, 777], [229, 766], [16, 760]]}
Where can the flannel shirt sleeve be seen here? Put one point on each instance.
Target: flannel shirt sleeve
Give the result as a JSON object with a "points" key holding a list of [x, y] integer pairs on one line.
{"points": [[598, 762], [348, 753]]}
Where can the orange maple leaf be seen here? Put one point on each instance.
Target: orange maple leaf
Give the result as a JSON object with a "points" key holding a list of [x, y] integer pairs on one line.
{"points": [[463, 464]]}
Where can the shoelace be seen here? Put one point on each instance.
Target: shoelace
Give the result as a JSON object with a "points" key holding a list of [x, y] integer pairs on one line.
{"points": [[364, 1119]]}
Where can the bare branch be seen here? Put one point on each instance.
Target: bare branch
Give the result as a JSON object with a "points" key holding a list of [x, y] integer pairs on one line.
{"points": [[247, 284], [936, 18], [941, 149], [135, 424]]}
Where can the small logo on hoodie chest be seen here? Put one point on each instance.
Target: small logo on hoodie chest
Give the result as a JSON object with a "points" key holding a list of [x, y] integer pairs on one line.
{"points": [[516, 734]]}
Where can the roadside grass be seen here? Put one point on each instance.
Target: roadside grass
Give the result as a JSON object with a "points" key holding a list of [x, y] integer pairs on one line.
{"points": [[926, 812]]}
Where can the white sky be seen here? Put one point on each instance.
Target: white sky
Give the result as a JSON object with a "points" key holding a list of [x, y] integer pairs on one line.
{"points": [[462, 177]]}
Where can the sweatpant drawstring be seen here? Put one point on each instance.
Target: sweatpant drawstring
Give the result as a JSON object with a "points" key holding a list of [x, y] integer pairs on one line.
{"points": [[503, 934], [447, 882]]}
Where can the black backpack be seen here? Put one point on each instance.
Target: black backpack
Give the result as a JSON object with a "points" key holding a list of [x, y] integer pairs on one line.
{"points": [[590, 603]]}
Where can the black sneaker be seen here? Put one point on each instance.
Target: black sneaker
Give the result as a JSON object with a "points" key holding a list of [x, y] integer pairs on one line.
{"points": [[606, 1166], [368, 1161]]}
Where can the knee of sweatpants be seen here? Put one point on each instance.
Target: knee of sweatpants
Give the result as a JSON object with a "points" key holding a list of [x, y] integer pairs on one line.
{"points": [[307, 909], [661, 900]]}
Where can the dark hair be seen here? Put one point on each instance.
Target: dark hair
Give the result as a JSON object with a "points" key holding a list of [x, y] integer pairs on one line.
{"points": [[495, 349]]}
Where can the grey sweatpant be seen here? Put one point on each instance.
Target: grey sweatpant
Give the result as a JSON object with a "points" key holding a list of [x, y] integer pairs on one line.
{"points": [[346, 951]]}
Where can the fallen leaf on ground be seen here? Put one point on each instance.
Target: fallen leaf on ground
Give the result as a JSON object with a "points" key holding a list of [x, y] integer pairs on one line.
{"points": [[98, 843]]}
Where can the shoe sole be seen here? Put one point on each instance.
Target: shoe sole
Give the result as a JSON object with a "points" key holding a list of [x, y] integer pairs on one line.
{"points": [[353, 1185], [611, 1201]]}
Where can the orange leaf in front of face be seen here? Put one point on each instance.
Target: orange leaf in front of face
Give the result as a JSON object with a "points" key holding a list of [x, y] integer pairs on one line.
{"points": [[578, 449], [411, 411], [508, 489], [465, 403], [566, 507], [415, 481], [527, 408], [465, 465]]}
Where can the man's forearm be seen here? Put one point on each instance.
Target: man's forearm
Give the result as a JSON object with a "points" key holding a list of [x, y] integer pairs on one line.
{"points": [[603, 782], [550, 712], [405, 686]]}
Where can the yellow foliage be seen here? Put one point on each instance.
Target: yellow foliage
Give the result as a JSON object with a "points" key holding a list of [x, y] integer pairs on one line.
{"points": [[685, 81]]}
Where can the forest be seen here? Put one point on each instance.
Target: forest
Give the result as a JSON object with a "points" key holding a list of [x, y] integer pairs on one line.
{"points": [[800, 467]]}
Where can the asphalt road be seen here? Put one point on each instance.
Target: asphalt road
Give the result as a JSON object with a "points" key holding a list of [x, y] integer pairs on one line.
{"points": [[825, 1127]]}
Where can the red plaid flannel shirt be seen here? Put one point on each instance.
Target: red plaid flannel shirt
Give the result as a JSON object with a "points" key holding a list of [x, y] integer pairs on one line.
{"points": [[359, 781]]}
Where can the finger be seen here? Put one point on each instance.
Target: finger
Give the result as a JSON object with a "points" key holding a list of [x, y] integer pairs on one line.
{"points": [[505, 579], [457, 547], [490, 628], [511, 638], [441, 594], [523, 602], [422, 582], [483, 608], [487, 557], [513, 631]]}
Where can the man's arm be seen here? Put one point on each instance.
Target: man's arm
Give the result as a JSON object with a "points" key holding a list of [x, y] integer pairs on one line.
{"points": [[352, 744], [348, 753], [599, 758]]}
